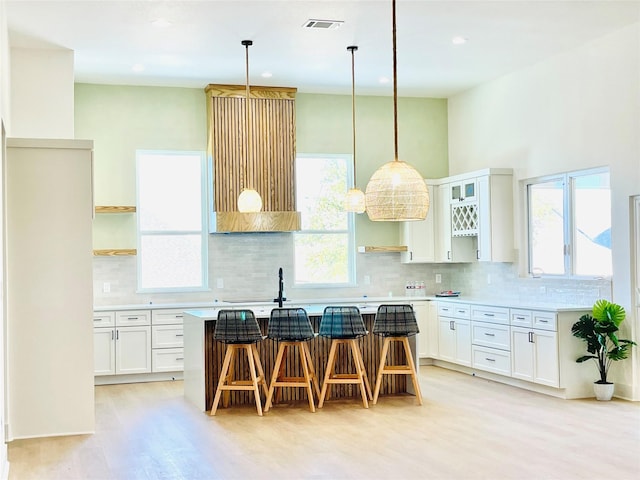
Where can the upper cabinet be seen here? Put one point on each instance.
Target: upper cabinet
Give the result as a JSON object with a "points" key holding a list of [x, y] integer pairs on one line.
{"points": [[419, 236], [470, 219]]}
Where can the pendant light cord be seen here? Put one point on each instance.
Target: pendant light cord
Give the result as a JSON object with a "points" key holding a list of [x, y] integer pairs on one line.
{"points": [[248, 169], [395, 83], [353, 108]]}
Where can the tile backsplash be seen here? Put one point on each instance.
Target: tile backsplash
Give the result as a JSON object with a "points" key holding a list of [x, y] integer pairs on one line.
{"points": [[247, 267]]}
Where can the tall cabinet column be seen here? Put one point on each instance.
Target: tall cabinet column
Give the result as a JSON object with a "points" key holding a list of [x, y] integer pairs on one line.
{"points": [[49, 287]]}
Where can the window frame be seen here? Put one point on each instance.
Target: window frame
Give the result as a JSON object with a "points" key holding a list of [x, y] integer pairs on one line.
{"points": [[568, 180], [204, 231], [350, 231]]}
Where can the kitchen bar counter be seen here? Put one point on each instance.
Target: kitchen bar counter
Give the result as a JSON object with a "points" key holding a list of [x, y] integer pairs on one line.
{"points": [[203, 355]]}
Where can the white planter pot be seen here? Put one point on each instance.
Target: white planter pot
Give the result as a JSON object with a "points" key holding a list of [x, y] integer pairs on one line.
{"points": [[603, 391]]}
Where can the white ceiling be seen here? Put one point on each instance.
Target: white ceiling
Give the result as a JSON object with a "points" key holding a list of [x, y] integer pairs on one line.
{"points": [[202, 43]]}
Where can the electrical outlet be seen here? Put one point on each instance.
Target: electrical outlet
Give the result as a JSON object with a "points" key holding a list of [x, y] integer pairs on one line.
{"points": [[220, 283], [367, 280], [106, 287], [438, 278]]}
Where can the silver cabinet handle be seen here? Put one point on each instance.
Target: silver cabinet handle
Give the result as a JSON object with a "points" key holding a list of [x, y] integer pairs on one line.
{"points": [[179, 316], [489, 314], [530, 337], [519, 318], [543, 321], [117, 334], [452, 325], [132, 318], [179, 334], [490, 334], [490, 359], [179, 358], [112, 334]]}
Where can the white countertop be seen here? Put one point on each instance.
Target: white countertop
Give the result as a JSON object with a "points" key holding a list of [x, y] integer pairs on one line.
{"points": [[364, 303]]}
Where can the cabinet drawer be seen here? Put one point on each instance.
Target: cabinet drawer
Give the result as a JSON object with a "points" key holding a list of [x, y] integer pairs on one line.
{"points": [[104, 319], [496, 361], [167, 360], [490, 335], [166, 336], [166, 317], [545, 321], [456, 310], [133, 317], [521, 318], [490, 314]]}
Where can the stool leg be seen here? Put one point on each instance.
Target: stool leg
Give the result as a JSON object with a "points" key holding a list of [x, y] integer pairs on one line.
{"points": [[360, 372], [274, 376], [254, 377], [364, 371], [312, 369], [282, 370], [226, 394], [305, 373], [414, 373], [223, 376], [258, 363], [327, 373], [383, 361]]}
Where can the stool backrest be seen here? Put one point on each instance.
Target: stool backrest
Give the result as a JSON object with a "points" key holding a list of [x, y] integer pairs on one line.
{"points": [[237, 326], [290, 324], [395, 321], [342, 322]]}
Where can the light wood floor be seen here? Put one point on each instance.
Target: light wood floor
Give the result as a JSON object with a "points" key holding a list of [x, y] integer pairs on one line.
{"points": [[468, 428]]}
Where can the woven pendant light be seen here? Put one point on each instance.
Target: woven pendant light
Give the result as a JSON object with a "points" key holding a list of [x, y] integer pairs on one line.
{"points": [[249, 199], [396, 191], [354, 200]]}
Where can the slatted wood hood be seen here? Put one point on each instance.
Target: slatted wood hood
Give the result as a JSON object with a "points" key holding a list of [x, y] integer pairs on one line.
{"points": [[269, 166]]}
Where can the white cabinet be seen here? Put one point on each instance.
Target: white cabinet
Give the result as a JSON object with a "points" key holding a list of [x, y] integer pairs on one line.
{"points": [[535, 348], [167, 333], [491, 339], [427, 340], [495, 218], [419, 236], [122, 342], [454, 333], [449, 248], [463, 191]]}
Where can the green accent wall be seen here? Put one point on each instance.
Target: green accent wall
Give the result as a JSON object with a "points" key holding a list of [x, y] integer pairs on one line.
{"points": [[122, 119]]}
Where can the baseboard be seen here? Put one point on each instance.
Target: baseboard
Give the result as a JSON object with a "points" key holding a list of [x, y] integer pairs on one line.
{"points": [[138, 378]]}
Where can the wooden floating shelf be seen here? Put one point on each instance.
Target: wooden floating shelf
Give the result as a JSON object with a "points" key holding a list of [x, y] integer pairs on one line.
{"points": [[227, 222], [393, 248], [113, 252], [115, 209]]}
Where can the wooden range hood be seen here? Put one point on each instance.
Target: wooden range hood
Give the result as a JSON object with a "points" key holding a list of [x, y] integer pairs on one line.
{"points": [[269, 168]]}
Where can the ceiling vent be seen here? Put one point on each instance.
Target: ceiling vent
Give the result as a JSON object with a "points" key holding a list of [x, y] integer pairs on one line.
{"points": [[323, 24]]}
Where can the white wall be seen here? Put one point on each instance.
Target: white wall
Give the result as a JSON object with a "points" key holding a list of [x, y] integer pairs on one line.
{"points": [[577, 110], [42, 93]]}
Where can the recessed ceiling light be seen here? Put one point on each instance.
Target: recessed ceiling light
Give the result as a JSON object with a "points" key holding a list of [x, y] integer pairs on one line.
{"points": [[458, 40], [138, 67], [161, 23], [266, 74]]}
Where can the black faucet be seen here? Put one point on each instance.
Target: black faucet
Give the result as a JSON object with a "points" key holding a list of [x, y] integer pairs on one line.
{"points": [[280, 298]]}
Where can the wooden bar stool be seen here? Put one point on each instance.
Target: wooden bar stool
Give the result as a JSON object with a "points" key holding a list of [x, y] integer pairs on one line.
{"points": [[396, 323], [291, 328], [344, 325], [240, 331]]}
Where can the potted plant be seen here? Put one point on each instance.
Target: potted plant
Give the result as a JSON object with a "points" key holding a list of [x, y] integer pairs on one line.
{"points": [[599, 331]]}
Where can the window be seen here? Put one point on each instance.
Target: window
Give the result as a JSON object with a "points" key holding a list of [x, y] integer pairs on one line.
{"points": [[569, 220], [172, 239], [323, 248]]}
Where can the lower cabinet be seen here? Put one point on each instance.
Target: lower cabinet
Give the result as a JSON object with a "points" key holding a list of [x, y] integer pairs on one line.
{"points": [[122, 350], [535, 356], [167, 352], [454, 340], [427, 339]]}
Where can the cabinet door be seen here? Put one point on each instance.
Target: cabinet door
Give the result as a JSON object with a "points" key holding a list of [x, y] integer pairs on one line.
{"points": [[443, 224], [422, 339], [133, 350], [546, 370], [167, 336], [522, 353], [447, 339], [464, 191], [432, 330], [463, 342], [419, 237], [104, 351]]}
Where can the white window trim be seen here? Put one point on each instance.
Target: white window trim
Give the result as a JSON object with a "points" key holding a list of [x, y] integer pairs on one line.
{"points": [[568, 180], [204, 231], [351, 235]]}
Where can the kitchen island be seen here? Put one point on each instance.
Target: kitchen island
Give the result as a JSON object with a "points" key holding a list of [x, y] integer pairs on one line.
{"points": [[203, 356]]}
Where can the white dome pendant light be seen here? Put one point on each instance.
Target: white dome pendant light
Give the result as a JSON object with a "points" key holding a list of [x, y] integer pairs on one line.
{"points": [[249, 199], [354, 200], [396, 191]]}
